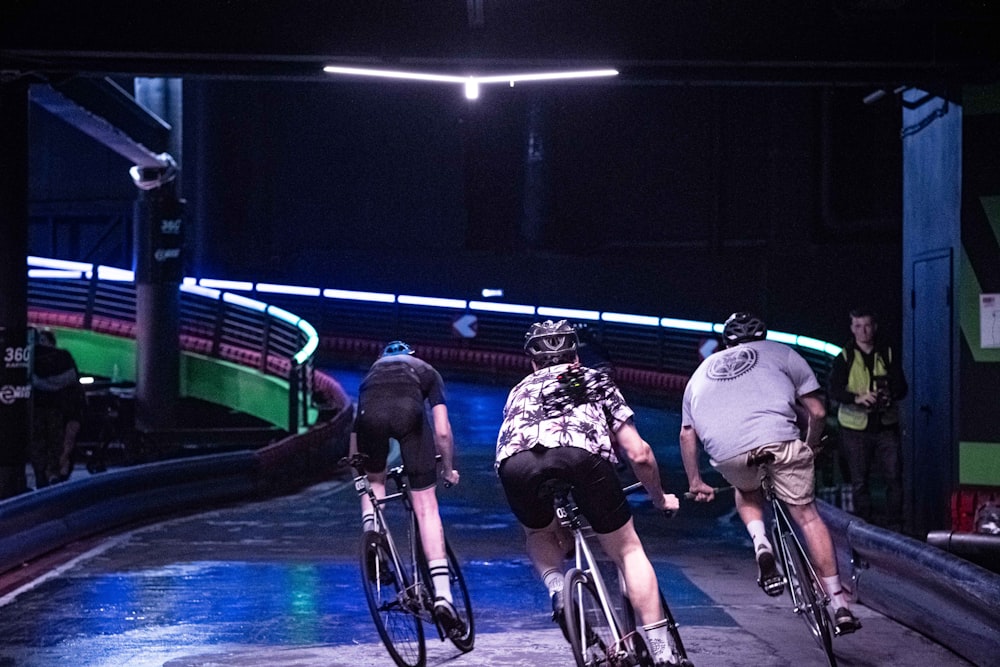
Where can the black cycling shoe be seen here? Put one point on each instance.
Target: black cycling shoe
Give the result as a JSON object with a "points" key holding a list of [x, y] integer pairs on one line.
{"points": [[447, 616], [845, 622], [769, 579]]}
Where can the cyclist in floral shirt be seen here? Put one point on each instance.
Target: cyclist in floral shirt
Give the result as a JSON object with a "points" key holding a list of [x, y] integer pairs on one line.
{"points": [[565, 421]]}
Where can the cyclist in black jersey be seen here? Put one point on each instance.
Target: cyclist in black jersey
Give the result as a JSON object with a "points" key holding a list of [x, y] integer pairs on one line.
{"points": [[393, 402]]}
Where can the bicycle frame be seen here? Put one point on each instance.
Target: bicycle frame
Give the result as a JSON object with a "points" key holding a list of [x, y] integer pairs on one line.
{"points": [[585, 562], [417, 598]]}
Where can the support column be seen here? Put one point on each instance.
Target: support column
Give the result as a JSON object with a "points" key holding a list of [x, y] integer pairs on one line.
{"points": [[15, 371], [158, 274]]}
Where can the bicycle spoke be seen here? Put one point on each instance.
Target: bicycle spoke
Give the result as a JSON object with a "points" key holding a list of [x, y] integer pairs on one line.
{"points": [[385, 589]]}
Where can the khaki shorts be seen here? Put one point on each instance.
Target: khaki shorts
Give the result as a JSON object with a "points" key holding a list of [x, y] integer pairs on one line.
{"points": [[793, 471]]}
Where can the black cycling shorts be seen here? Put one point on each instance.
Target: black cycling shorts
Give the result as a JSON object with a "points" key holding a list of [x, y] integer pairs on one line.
{"points": [[385, 415], [596, 488]]}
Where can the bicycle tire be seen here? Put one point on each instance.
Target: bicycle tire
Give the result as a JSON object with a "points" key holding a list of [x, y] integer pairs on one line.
{"points": [[398, 625], [462, 603], [646, 659], [809, 605], [591, 636]]}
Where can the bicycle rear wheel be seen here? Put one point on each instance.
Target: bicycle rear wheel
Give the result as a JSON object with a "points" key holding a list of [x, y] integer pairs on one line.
{"points": [[591, 632], [645, 659], [386, 591], [807, 597], [463, 604]]}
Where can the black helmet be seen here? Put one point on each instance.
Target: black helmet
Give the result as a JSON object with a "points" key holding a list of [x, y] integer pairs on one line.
{"points": [[549, 343], [396, 347], [743, 328]]}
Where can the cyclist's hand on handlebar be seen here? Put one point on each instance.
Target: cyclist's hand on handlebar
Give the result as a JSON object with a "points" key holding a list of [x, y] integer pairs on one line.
{"points": [[701, 492], [450, 477], [667, 503]]}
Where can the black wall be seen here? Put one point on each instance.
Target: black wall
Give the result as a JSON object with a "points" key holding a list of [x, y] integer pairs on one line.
{"points": [[680, 201]]}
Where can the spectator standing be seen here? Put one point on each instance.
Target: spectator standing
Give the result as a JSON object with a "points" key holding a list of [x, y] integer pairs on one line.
{"points": [[867, 382], [58, 408]]}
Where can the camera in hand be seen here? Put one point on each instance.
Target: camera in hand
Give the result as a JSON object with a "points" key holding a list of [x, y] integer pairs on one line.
{"points": [[883, 396]]}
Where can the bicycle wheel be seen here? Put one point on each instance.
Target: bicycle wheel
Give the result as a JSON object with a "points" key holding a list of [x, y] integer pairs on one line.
{"points": [[386, 589], [591, 633], [645, 658], [463, 604], [807, 597]]}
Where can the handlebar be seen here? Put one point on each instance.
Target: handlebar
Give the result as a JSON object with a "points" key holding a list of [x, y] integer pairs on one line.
{"points": [[632, 488]]}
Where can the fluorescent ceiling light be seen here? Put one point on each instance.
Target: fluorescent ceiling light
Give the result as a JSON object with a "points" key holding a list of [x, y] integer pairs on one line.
{"points": [[354, 295], [434, 302], [238, 300], [226, 284], [686, 325], [470, 83], [54, 273], [492, 306], [206, 292], [115, 274], [624, 318], [568, 313], [287, 289]]}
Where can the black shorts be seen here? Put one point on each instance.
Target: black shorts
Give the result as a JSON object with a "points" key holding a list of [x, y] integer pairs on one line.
{"points": [[382, 416], [596, 488]]}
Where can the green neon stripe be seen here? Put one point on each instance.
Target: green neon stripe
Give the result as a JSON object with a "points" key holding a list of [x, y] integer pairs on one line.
{"points": [[979, 463]]}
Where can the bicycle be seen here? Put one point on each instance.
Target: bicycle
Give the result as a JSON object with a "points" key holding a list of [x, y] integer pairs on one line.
{"points": [[599, 637], [398, 584], [809, 598]]}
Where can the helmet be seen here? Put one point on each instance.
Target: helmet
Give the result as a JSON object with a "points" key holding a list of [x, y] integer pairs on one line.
{"points": [[743, 328], [549, 343], [396, 347]]}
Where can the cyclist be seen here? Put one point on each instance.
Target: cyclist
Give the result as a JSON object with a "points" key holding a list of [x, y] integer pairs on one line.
{"points": [[746, 398], [563, 421], [391, 404]]}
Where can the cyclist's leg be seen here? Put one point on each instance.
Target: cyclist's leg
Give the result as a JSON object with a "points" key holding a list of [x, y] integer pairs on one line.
{"points": [[625, 549]]}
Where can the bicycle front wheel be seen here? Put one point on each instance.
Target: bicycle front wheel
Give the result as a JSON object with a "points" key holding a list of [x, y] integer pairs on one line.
{"points": [[463, 605], [807, 597], [592, 634], [398, 625]]}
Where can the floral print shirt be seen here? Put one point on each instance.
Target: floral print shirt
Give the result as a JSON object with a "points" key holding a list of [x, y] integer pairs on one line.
{"points": [[566, 405]]}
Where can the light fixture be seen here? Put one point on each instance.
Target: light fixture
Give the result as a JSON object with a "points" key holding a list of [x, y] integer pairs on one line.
{"points": [[471, 84]]}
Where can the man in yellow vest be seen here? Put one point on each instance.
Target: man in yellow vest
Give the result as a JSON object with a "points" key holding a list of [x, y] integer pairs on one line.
{"points": [[867, 380]]}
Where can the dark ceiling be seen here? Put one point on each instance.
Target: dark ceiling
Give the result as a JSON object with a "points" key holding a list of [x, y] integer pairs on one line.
{"points": [[861, 42]]}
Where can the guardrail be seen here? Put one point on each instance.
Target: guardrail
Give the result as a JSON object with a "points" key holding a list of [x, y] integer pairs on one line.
{"points": [[217, 324]]}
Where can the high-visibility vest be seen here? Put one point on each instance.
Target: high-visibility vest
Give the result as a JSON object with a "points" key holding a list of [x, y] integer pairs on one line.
{"points": [[861, 381]]}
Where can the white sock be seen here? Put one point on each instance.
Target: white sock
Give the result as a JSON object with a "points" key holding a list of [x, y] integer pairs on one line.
{"points": [[368, 522], [836, 592], [661, 644], [758, 533], [553, 580], [439, 575]]}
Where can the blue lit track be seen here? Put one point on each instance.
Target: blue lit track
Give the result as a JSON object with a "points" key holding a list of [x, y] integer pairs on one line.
{"points": [[275, 582]]}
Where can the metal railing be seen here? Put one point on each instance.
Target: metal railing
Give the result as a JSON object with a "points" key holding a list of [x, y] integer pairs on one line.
{"points": [[214, 323]]}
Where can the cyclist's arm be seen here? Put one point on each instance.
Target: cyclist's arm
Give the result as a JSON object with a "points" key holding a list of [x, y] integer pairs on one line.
{"points": [[816, 418], [444, 442], [640, 456], [689, 456]]}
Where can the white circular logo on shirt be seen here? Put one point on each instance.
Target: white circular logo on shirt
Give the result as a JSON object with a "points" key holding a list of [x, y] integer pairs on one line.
{"points": [[731, 364]]}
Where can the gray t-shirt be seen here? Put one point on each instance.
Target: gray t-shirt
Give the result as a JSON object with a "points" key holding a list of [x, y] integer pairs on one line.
{"points": [[744, 397]]}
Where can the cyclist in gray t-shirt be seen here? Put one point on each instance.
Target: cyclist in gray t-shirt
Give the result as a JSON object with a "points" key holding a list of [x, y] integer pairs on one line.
{"points": [[751, 398]]}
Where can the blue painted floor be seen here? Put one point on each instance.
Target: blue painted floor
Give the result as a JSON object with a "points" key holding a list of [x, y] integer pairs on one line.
{"points": [[276, 582]]}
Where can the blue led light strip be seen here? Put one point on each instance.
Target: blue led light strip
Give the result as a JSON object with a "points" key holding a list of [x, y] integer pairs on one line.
{"points": [[61, 269]]}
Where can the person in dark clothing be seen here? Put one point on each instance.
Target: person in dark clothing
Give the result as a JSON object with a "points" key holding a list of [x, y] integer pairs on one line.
{"points": [[391, 405], [867, 381], [58, 406]]}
